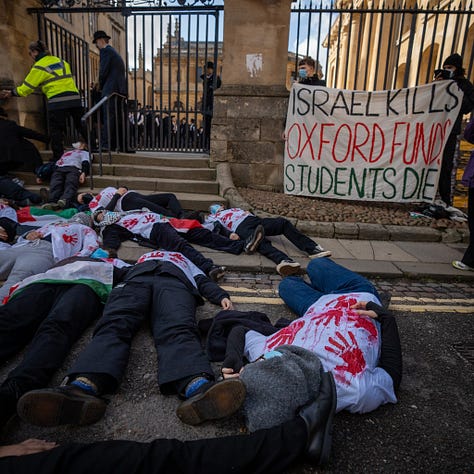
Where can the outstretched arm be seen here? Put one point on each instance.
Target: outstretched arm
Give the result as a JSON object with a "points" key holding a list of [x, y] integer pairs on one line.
{"points": [[391, 351], [234, 353]]}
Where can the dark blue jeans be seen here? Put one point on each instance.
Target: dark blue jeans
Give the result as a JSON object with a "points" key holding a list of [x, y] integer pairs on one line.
{"points": [[327, 277]]}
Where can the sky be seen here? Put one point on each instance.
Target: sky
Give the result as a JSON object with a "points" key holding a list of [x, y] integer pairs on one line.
{"points": [[196, 26]]}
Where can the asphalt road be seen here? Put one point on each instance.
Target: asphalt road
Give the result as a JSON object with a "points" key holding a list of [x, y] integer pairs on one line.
{"points": [[430, 429]]}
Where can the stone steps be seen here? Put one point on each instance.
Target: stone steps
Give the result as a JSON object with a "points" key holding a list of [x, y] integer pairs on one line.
{"points": [[187, 175]]}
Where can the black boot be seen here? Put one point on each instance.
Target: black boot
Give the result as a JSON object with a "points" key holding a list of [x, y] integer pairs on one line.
{"points": [[318, 416], [68, 405]]}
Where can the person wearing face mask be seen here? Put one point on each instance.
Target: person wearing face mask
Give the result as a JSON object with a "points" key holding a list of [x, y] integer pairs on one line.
{"points": [[307, 73], [452, 69]]}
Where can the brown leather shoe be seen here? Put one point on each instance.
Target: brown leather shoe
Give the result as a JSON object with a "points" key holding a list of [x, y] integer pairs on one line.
{"points": [[216, 400], [66, 405]]}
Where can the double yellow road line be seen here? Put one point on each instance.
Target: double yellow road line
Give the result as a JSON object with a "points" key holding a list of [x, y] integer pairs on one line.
{"points": [[398, 303]]}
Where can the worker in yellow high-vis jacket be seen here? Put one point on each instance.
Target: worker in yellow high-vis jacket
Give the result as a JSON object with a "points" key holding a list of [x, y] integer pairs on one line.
{"points": [[53, 76]]}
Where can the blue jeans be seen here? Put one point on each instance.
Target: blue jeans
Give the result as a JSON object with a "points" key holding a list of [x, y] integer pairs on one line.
{"points": [[327, 277]]}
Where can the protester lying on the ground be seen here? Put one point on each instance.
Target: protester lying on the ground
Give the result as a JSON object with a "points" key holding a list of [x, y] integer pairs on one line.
{"points": [[52, 309], [38, 250], [158, 232], [8, 225], [11, 190], [189, 229], [341, 320], [306, 437], [164, 287], [16, 152], [243, 223], [70, 171], [121, 199]]}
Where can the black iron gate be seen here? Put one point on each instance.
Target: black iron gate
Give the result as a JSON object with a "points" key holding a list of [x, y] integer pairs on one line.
{"points": [[383, 44], [168, 54], [167, 51]]}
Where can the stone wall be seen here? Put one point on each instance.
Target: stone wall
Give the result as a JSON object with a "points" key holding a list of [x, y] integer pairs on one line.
{"points": [[17, 30], [250, 108], [247, 132]]}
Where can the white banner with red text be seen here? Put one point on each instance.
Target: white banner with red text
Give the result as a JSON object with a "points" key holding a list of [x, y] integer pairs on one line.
{"points": [[370, 146]]}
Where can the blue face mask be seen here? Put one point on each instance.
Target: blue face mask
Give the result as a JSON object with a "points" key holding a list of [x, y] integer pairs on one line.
{"points": [[302, 73]]}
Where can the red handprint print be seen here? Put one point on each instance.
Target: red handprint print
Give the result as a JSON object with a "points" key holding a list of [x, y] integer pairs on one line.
{"points": [[352, 357], [70, 239], [286, 335], [151, 255], [177, 257], [130, 223], [149, 218]]}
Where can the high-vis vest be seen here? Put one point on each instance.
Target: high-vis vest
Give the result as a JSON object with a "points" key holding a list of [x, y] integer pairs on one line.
{"points": [[53, 76]]}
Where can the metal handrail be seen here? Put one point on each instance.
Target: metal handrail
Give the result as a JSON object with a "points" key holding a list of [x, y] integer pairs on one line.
{"points": [[86, 120]]}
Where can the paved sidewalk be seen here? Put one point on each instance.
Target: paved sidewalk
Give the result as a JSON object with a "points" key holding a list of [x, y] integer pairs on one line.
{"points": [[387, 259]]}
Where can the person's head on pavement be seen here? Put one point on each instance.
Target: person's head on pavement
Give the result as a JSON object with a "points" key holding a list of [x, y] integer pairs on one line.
{"points": [[215, 208]]}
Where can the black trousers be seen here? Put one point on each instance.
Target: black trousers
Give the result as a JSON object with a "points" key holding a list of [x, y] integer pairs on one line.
{"points": [[15, 192], [212, 240], [51, 316], [163, 203], [64, 184], [444, 183], [164, 236], [468, 257], [57, 126], [265, 451], [171, 308], [275, 226]]}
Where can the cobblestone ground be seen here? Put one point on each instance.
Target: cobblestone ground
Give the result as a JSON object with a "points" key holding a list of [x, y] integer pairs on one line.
{"points": [[398, 288]]}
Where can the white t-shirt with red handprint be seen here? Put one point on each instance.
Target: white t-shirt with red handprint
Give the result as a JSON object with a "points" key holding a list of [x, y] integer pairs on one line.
{"points": [[104, 197], [229, 218], [347, 344], [74, 158], [177, 259], [70, 239]]}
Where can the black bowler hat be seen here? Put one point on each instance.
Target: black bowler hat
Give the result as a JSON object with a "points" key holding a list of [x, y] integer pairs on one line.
{"points": [[210, 65], [100, 34]]}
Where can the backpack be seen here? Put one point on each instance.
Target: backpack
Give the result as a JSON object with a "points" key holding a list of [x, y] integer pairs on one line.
{"points": [[45, 171]]}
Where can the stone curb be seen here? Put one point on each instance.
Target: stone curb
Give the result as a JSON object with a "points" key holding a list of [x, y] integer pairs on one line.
{"points": [[343, 230]]}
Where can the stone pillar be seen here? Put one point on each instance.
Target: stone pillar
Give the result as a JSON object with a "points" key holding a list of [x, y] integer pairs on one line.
{"points": [[17, 30], [250, 107]]}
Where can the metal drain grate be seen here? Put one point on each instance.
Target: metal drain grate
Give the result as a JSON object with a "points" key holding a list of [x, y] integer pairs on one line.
{"points": [[465, 350]]}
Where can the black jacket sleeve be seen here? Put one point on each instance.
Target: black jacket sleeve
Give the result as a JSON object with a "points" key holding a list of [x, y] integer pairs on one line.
{"points": [[234, 352], [391, 351], [210, 290], [112, 203], [220, 229], [32, 134], [113, 235]]}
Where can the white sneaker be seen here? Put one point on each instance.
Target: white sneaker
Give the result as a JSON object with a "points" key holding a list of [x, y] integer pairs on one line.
{"points": [[318, 252], [461, 266], [288, 267]]}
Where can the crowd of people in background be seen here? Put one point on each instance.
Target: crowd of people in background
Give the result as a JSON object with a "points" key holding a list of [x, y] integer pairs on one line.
{"points": [[150, 128]]}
